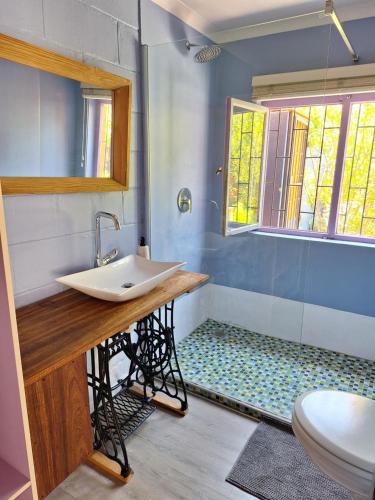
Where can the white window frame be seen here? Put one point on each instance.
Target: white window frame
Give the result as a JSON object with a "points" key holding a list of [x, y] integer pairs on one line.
{"points": [[250, 106], [331, 234]]}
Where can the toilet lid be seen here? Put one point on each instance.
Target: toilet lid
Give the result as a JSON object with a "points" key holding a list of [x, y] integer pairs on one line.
{"points": [[340, 422]]}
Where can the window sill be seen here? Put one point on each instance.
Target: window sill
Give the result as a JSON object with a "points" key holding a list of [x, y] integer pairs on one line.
{"points": [[264, 232]]}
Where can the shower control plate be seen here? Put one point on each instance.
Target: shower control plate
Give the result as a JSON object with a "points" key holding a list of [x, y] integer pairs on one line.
{"points": [[184, 200]]}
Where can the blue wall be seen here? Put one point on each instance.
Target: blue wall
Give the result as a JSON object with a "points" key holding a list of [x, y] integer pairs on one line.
{"points": [[187, 115], [181, 97], [336, 275]]}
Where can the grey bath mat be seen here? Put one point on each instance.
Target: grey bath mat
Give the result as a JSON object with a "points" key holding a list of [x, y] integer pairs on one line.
{"points": [[274, 466]]}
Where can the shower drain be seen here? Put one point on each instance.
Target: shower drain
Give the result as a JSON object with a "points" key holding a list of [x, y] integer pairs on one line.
{"points": [[220, 332]]}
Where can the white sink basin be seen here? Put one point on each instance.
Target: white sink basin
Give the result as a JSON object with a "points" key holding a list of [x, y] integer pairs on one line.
{"points": [[122, 280]]}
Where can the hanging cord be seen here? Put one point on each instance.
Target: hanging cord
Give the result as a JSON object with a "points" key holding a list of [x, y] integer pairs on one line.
{"points": [[327, 61], [43, 20], [118, 42]]}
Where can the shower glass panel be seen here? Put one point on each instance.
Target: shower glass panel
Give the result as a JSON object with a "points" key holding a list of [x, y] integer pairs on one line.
{"points": [[276, 319], [337, 341]]}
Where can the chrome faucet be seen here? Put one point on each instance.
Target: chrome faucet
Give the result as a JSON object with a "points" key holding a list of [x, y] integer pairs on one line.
{"points": [[102, 261]]}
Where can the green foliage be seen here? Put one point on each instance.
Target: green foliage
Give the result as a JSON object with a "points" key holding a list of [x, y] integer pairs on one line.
{"points": [[320, 163], [357, 198], [312, 164], [246, 143]]}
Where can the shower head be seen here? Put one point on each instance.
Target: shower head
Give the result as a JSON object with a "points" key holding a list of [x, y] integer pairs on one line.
{"points": [[207, 53]]}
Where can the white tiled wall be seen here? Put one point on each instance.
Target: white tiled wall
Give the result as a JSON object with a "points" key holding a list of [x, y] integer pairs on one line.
{"points": [[309, 324], [51, 235], [257, 312]]}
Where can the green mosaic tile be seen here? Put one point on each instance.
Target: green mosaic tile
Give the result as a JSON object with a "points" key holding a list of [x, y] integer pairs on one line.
{"points": [[264, 372]]}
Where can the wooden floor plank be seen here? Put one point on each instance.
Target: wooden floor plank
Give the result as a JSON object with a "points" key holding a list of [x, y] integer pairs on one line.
{"points": [[173, 459]]}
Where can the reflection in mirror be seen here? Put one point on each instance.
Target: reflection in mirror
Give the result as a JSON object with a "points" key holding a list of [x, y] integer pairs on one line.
{"points": [[52, 126], [96, 133], [244, 165]]}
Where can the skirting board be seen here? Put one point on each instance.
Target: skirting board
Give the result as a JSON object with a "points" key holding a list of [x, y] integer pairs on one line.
{"points": [[341, 331]]}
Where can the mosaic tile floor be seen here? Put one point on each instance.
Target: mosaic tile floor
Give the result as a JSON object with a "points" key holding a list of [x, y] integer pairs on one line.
{"points": [[265, 372]]}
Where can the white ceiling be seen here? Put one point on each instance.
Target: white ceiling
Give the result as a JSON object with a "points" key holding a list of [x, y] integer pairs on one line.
{"points": [[227, 20]]}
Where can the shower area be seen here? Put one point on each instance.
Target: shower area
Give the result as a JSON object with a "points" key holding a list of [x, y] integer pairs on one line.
{"points": [[274, 137]]}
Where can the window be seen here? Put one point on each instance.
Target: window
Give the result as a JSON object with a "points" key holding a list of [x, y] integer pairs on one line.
{"points": [[315, 173]]}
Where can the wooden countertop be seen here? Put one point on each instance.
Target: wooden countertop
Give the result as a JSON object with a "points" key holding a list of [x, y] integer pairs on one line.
{"points": [[58, 329]]}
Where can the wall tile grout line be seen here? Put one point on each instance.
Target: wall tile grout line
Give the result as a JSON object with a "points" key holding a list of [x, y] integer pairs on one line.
{"points": [[115, 18], [76, 54], [65, 235]]}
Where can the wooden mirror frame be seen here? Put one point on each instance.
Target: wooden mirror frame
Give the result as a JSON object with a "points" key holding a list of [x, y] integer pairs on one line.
{"points": [[27, 54]]}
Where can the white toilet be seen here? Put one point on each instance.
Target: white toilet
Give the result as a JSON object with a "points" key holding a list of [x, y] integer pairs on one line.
{"points": [[337, 430]]}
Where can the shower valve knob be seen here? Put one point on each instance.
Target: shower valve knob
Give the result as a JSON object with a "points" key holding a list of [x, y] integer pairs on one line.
{"points": [[184, 200]]}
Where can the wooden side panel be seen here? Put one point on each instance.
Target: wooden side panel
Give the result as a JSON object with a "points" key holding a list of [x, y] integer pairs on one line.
{"points": [[60, 426], [121, 135], [15, 445]]}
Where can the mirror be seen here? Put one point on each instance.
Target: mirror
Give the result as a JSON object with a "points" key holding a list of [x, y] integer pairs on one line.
{"points": [[52, 126], [65, 126]]}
